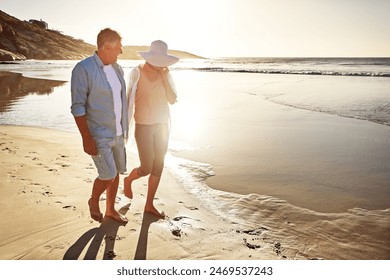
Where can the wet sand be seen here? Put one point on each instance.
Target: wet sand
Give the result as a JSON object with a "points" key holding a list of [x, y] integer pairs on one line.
{"points": [[262, 134], [47, 181]]}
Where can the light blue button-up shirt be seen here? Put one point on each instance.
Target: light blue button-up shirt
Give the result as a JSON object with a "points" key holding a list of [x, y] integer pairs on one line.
{"points": [[92, 96]]}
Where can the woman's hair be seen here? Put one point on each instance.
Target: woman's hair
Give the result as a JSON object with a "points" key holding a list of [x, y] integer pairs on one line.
{"points": [[107, 35]]}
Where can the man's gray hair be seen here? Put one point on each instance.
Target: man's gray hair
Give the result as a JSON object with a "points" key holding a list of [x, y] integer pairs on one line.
{"points": [[107, 35]]}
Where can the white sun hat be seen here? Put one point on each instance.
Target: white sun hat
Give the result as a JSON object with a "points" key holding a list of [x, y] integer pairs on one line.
{"points": [[158, 55]]}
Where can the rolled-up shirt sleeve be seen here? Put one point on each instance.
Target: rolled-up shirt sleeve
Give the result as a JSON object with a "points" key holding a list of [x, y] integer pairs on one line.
{"points": [[79, 90]]}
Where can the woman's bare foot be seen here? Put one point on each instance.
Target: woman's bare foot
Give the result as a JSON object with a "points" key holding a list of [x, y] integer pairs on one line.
{"points": [[115, 215], [127, 187], [152, 210]]}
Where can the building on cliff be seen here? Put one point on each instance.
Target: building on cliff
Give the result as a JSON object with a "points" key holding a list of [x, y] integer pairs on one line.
{"points": [[39, 23]]}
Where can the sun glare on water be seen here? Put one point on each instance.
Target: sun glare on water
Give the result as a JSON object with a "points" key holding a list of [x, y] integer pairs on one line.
{"points": [[190, 116], [188, 122]]}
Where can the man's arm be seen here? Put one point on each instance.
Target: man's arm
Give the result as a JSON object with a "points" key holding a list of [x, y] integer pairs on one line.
{"points": [[88, 141], [79, 90]]}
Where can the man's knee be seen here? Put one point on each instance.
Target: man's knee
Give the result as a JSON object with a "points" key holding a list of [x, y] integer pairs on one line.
{"points": [[108, 181]]}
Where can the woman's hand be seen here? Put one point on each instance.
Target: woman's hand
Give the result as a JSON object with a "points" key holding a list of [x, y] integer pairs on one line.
{"points": [[164, 71]]}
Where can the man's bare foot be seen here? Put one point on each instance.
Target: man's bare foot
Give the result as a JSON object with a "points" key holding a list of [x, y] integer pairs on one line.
{"points": [[95, 211], [116, 216], [127, 187], [152, 210]]}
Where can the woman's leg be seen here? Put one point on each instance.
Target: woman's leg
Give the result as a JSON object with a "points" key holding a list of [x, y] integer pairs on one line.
{"points": [[160, 150], [144, 140], [127, 182], [153, 183]]}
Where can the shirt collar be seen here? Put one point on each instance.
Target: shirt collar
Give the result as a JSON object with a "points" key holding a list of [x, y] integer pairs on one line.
{"points": [[98, 60]]}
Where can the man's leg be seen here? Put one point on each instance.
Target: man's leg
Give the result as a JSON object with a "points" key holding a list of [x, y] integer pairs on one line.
{"points": [[99, 186], [110, 161], [111, 193]]}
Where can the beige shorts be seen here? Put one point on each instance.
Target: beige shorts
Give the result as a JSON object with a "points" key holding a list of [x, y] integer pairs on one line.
{"points": [[111, 157]]}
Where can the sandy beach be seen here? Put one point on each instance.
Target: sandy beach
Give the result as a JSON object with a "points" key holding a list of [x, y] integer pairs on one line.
{"points": [[261, 167], [47, 181], [44, 175]]}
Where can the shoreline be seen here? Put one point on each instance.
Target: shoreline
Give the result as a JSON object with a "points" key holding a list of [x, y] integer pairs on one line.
{"points": [[42, 175], [313, 160]]}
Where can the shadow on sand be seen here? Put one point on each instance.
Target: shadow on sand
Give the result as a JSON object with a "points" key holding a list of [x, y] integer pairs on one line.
{"points": [[108, 232], [142, 245]]}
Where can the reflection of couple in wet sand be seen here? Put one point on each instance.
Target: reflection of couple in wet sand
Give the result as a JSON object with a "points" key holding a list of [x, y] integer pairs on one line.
{"points": [[103, 113]]}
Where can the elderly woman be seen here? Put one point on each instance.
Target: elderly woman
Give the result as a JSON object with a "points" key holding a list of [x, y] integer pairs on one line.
{"points": [[150, 90]]}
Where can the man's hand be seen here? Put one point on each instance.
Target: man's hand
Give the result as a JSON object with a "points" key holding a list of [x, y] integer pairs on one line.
{"points": [[89, 143], [90, 146]]}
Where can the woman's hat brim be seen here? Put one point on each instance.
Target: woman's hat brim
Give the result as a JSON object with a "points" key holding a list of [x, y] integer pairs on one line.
{"points": [[159, 60]]}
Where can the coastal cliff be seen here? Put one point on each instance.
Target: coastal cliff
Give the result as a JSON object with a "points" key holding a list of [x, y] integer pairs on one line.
{"points": [[20, 40]]}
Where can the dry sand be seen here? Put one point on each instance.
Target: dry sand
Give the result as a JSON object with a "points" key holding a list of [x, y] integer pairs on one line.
{"points": [[47, 181]]}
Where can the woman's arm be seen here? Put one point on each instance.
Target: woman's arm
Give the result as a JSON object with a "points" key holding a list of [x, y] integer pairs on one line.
{"points": [[169, 85]]}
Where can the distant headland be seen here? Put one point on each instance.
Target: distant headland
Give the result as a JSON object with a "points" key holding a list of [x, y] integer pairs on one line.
{"points": [[21, 40]]}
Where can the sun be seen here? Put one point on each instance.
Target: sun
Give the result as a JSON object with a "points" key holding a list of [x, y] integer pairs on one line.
{"points": [[190, 116]]}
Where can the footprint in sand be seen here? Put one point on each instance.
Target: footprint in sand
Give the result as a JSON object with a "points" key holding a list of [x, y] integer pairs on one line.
{"points": [[179, 218], [278, 248], [32, 157], [6, 149], [90, 166], [51, 248], [189, 207], [176, 232], [47, 193], [62, 164], [250, 246], [257, 231]]}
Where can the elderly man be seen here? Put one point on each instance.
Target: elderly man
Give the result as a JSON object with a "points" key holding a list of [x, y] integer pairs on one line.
{"points": [[100, 110]]}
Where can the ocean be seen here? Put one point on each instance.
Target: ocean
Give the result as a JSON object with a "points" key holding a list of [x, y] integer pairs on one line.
{"points": [[375, 108], [314, 132]]}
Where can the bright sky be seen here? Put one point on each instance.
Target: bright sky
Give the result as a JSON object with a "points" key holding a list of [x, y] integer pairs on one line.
{"points": [[219, 28]]}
